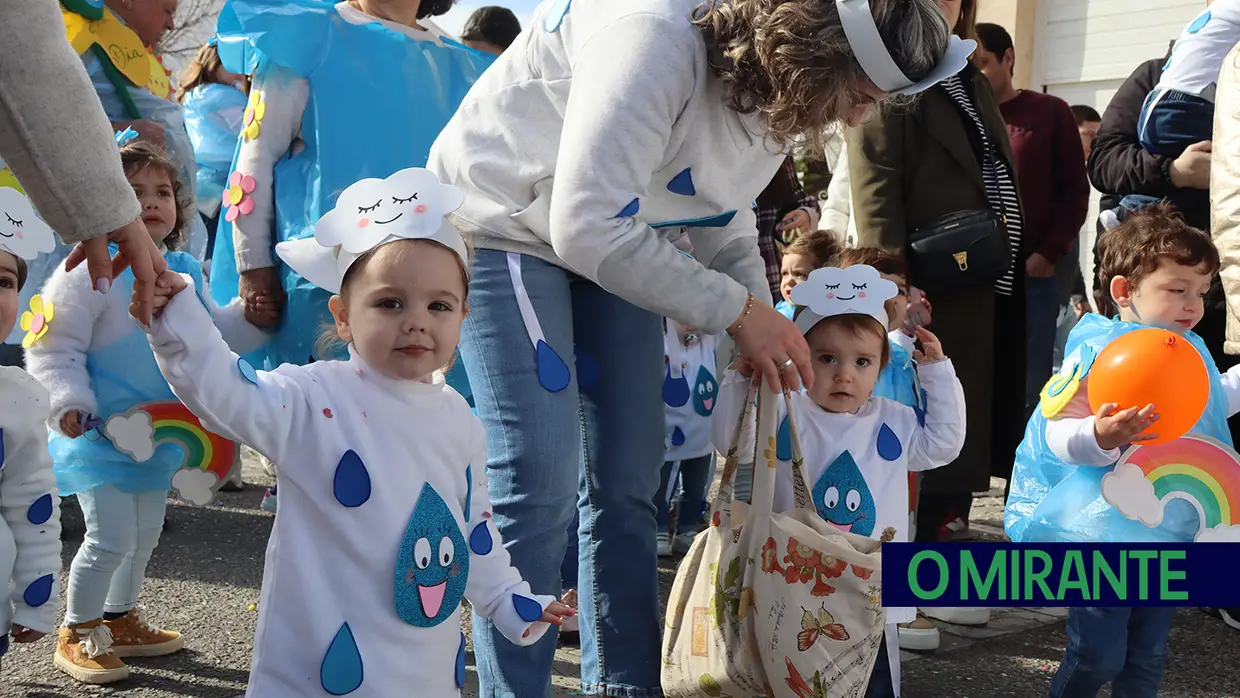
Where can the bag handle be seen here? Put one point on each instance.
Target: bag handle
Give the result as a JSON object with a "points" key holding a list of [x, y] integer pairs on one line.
{"points": [[721, 503], [800, 488]]}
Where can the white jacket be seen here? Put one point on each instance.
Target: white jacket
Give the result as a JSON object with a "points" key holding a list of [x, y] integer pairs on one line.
{"points": [[837, 209], [1225, 190]]}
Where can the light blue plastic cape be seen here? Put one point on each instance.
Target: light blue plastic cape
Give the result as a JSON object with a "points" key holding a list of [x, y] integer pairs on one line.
{"points": [[237, 54], [123, 375], [898, 380], [1051, 501], [213, 114], [378, 99]]}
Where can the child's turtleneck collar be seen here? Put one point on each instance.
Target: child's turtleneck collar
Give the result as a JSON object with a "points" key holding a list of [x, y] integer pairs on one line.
{"points": [[401, 388]]}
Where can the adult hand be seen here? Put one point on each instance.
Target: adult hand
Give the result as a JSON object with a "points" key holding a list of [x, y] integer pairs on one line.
{"points": [[263, 296], [797, 222], [148, 131], [1192, 169], [1039, 267], [137, 252], [768, 340]]}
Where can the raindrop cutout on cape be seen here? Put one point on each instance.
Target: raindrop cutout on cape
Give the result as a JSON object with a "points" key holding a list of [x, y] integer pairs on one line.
{"points": [[40, 511], [704, 392], [39, 591], [460, 663], [888, 444], [783, 440], [351, 484], [553, 373], [432, 565], [469, 489], [341, 671], [527, 609], [630, 209], [675, 390], [842, 498], [480, 540], [682, 183], [678, 436], [587, 369]]}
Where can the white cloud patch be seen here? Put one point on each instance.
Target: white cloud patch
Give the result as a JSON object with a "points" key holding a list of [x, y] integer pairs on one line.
{"points": [[1127, 489], [195, 485], [1219, 534], [409, 204], [132, 434], [22, 232]]}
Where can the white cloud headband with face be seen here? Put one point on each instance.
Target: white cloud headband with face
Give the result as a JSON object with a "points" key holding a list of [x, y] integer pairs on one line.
{"points": [[855, 290], [412, 204], [22, 232]]}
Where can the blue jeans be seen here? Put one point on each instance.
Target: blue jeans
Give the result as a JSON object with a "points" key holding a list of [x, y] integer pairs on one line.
{"points": [[1041, 320], [1125, 647], [692, 473], [535, 442], [881, 684], [1171, 120]]}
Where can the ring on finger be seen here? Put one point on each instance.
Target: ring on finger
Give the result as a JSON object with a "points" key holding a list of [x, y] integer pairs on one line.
{"points": [[785, 364]]}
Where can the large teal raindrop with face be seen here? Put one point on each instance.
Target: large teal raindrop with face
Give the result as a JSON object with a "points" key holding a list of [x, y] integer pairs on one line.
{"points": [[433, 564]]}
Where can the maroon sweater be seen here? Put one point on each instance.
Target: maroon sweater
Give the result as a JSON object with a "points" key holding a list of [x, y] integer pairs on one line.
{"points": [[1050, 171]]}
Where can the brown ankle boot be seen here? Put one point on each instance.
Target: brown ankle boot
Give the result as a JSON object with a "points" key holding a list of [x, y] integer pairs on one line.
{"points": [[84, 651]]}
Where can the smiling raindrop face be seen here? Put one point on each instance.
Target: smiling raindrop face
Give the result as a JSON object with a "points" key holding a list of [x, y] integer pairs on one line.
{"points": [[704, 392], [842, 498], [433, 564]]}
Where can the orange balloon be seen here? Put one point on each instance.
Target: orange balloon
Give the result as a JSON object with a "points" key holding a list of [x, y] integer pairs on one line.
{"points": [[1153, 367]]}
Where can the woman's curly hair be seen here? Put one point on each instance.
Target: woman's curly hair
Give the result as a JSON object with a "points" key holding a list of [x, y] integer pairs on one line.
{"points": [[140, 155], [789, 61]]}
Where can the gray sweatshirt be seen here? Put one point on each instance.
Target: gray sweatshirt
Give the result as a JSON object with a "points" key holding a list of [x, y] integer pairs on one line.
{"points": [[54, 135], [612, 105]]}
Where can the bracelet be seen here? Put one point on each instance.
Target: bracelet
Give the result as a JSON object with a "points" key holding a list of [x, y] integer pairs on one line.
{"points": [[740, 322]]}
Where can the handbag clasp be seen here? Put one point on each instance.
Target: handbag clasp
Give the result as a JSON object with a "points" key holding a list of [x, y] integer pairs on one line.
{"points": [[962, 260]]}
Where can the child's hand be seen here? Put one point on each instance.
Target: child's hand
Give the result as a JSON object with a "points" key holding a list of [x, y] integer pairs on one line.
{"points": [[931, 348], [261, 310], [167, 285], [71, 424], [21, 633], [555, 614], [1114, 429]]}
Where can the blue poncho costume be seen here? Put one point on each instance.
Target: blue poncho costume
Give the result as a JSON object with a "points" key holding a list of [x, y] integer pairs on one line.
{"points": [[213, 115], [1053, 501], [378, 98]]}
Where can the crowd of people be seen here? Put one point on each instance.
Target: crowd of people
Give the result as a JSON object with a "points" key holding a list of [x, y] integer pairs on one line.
{"points": [[427, 278]]}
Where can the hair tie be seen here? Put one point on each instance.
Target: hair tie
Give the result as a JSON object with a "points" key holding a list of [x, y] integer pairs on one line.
{"points": [[124, 138]]}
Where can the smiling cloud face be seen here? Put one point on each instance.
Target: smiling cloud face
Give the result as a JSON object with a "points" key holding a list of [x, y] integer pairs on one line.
{"points": [[132, 434], [21, 231], [410, 204], [858, 289]]}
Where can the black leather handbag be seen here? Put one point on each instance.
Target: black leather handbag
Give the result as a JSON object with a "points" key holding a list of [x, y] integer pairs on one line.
{"points": [[961, 250]]}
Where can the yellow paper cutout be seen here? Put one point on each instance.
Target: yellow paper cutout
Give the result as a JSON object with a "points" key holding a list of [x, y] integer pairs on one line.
{"points": [[8, 180], [254, 113], [1060, 390], [36, 320], [123, 47]]}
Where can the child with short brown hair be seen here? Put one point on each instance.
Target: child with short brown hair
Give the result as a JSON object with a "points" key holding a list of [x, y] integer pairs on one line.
{"points": [[808, 252]]}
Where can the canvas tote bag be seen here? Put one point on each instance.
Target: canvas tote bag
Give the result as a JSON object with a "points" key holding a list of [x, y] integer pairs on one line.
{"points": [[766, 604]]}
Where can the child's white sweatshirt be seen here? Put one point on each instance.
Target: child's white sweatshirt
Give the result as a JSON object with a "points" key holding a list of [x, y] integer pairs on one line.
{"points": [[29, 507], [384, 523]]}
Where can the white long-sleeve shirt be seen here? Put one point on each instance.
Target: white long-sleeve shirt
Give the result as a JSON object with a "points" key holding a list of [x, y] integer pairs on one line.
{"points": [[857, 464], [602, 120], [29, 507], [379, 478], [837, 209]]}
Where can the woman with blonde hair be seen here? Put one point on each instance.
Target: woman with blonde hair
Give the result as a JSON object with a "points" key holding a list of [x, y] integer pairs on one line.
{"points": [[601, 134]]}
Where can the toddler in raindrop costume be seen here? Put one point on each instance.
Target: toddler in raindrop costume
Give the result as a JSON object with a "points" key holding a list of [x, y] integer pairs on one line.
{"points": [[103, 381], [858, 448], [385, 523], [29, 508]]}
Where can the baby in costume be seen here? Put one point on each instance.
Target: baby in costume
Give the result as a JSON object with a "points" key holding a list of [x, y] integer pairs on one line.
{"points": [[29, 507], [385, 524], [1157, 270], [807, 252], [104, 384], [858, 449]]}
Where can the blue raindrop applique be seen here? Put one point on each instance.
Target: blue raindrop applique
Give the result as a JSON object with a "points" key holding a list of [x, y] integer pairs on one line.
{"points": [[460, 663], [718, 221], [1200, 23], [705, 390], [39, 591], [40, 511], [842, 498], [341, 671], [630, 209], [528, 609], [587, 369], [682, 183], [351, 484], [480, 541], [678, 437], [888, 443], [675, 390], [553, 373], [432, 565], [555, 15], [247, 371], [469, 489], [783, 440]]}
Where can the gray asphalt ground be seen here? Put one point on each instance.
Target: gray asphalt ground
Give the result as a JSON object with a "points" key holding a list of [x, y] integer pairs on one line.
{"points": [[205, 576]]}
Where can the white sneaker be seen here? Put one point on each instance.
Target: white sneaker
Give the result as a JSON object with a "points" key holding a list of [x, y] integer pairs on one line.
{"points": [[959, 616], [663, 544], [683, 541], [921, 635]]}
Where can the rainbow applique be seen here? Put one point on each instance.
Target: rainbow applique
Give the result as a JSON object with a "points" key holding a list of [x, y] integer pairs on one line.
{"points": [[1194, 468], [208, 457]]}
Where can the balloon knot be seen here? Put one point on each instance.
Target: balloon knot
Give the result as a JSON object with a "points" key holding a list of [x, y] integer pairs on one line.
{"points": [[1170, 342]]}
